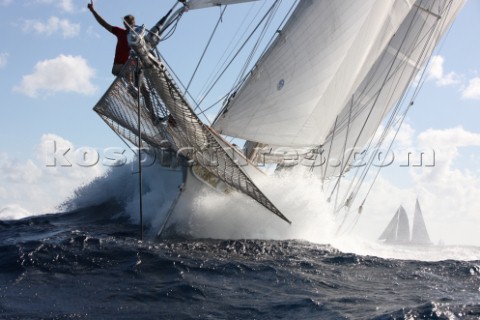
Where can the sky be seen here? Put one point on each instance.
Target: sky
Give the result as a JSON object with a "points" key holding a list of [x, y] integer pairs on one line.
{"points": [[55, 64]]}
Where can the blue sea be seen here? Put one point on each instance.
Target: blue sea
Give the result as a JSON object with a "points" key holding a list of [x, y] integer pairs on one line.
{"points": [[87, 262]]}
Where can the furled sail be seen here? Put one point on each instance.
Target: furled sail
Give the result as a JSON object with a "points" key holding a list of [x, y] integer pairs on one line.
{"points": [[419, 230], [398, 229], [199, 4], [310, 72]]}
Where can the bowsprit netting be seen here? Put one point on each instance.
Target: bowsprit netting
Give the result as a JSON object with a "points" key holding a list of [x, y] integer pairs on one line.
{"points": [[119, 109], [168, 121]]}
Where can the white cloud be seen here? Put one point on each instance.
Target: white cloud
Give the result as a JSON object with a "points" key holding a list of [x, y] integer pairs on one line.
{"points": [[65, 5], [446, 144], [62, 74], [3, 59], [31, 186], [450, 193], [53, 25], [472, 91], [5, 2], [435, 72]]}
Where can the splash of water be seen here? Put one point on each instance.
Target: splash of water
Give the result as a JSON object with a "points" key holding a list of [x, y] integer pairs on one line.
{"points": [[210, 214]]}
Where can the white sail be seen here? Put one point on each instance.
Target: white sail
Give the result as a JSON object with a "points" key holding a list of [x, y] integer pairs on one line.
{"points": [[308, 75], [398, 229], [390, 232], [419, 230], [389, 77], [329, 78]]}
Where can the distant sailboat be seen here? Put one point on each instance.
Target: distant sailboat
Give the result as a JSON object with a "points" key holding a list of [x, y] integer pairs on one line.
{"points": [[398, 229]]}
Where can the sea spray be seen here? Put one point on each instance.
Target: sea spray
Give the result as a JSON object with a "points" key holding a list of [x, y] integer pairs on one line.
{"points": [[235, 216], [210, 214]]}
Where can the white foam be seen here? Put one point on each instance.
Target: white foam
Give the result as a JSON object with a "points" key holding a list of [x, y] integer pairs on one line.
{"points": [[13, 212], [237, 216], [210, 214], [362, 246]]}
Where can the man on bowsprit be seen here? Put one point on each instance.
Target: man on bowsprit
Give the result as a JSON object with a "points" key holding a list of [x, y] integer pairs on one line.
{"points": [[122, 51]]}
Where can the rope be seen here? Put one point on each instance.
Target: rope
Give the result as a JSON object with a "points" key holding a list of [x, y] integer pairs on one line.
{"points": [[390, 123], [205, 50], [414, 95], [235, 56], [344, 164]]}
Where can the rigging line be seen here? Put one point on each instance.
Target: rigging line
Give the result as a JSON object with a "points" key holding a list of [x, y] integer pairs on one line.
{"points": [[206, 48], [243, 76], [367, 90], [350, 228], [176, 20], [427, 34], [373, 105], [344, 150], [124, 141], [172, 30], [214, 104], [345, 216], [257, 44], [380, 141], [270, 13], [386, 130], [236, 54], [138, 72], [447, 10], [418, 63], [213, 74], [414, 95], [177, 79], [388, 150], [330, 149], [281, 25]]}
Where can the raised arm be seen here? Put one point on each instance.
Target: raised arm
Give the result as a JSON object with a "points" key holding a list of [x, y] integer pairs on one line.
{"points": [[99, 19]]}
